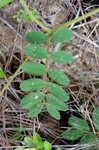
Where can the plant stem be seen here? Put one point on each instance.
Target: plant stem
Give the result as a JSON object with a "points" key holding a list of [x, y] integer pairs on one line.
{"points": [[76, 20], [33, 18], [38, 22], [9, 82], [48, 30], [11, 79]]}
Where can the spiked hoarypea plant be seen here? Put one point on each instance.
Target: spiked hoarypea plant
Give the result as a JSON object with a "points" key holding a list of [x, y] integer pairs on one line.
{"points": [[80, 130], [45, 88]]}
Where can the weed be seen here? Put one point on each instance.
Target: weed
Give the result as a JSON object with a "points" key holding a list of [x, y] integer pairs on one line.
{"points": [[46, 92], [2, 74], [3, 3], [23, 14], [37, 143], [80, 129], [46, 87]]}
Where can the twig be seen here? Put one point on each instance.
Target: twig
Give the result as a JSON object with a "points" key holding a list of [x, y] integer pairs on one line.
{"points": [[11, 79]]}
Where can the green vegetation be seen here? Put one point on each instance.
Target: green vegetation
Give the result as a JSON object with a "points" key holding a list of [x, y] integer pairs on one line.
{"points": [[80, 129], [44, 94], [45, 88], [37, 143], [3, 3], [23, 14], [2, 74]]}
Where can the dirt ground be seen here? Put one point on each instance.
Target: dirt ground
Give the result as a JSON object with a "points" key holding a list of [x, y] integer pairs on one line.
{"points": [[83, 71]]}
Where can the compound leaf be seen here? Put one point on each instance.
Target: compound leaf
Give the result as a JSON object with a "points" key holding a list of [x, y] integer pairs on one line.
{"points": [[33, 68], [32, 99], [35, 51], [95, 117], [56, 102], [62, 35], [72, 134], [32, 84], [58, 76], [53, 111], [78, 123], [36, 37], [62, 57], [58, 92]]}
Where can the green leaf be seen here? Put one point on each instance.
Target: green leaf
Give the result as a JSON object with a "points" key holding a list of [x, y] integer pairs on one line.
{"points": [[88, 139], [78, 123], [3, 3], [47, 145], [24, 15], [2, 74], [30, 149], [93, 148], [72, 134], [58, 76], [32, 99], [37, 141], [35, 51], [58, 92], [18, 136], [53, 111], [28, 141], [62, 57], [62, 35], [33, 68], [33, 112], [19, 149], [95, 117], [32, 84], [36, 37], [36, 138], [59, 105], [40, 145]]}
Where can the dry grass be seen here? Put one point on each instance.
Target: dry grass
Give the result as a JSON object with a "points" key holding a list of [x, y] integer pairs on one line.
{"points": [[84, 74]]}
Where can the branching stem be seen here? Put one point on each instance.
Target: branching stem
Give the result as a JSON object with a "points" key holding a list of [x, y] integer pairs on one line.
{"points": [[38, 22], [33, 18], [65, 25]]}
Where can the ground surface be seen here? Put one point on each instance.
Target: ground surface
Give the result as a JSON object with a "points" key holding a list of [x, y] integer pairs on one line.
{"points": [[83, 72]]}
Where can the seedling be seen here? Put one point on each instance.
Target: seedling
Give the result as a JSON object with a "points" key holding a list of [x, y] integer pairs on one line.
{"points": [[22, 14], [46, 92], [36, 143]]}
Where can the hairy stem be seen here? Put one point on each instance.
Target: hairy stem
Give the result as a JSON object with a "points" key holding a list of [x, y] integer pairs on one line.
{"points": [[76, 20], [48, 30], [33, 18], [11, 79]]}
